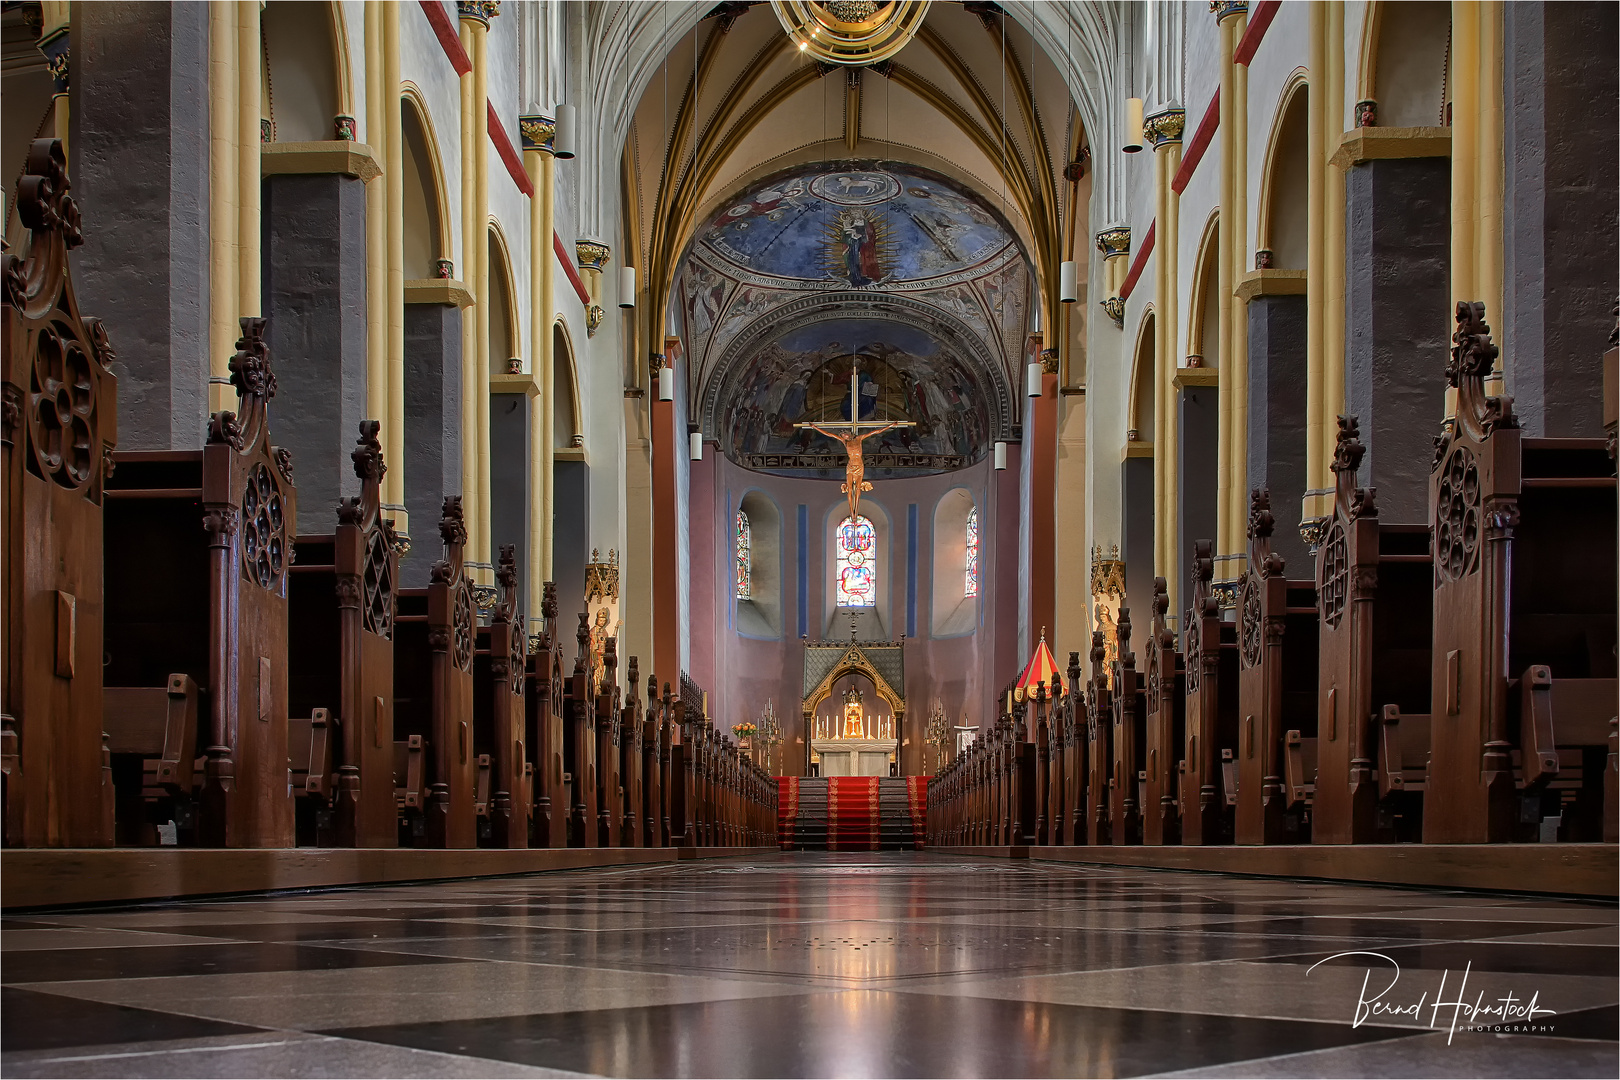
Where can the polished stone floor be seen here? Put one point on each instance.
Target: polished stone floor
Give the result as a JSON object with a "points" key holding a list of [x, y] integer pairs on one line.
{"points": [[819, 965]]}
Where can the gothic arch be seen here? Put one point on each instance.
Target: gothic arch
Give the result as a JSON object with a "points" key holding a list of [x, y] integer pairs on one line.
{"points": [[1203, 315], [506, 337], [1282, 215], [305, 71], [855, 662], [427, 226], [1141, 410]]}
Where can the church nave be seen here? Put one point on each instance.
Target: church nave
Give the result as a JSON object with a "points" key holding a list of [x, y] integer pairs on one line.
{"points": [[906, 964]]}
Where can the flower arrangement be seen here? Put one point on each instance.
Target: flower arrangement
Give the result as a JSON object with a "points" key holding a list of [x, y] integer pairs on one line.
{"points": [[744, 730]]}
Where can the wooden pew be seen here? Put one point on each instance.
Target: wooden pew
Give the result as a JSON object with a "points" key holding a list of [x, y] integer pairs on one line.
{"points": [[1212, 704], [60, 427], [341, 650], [1076, 741], [152, 740], [654, 726], [499, 709], [1099, 746], [580, 744], [1277, 671], [629, 804], [1524, 615], [1128, 739], [605, 726], [1056, 807], [546, 711], [1166, 723], [1374, 590], [212, 602]]}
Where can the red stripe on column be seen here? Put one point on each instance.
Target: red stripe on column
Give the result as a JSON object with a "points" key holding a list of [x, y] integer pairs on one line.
{"points": [[509, 154], [568, 268], [1136, 264], [1200, 142], [1259, 19], [445, 31]]}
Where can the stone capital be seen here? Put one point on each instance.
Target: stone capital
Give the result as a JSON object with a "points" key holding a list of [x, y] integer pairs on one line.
{"points": [[538, 132], [1163, 128], [1115, 240], [592, 254], [1226, 9], [480, 11]]}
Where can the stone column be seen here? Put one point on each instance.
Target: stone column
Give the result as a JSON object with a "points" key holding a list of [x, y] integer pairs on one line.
{"points": [[315, 299], [432, 426], [1397, 253], [1561, 191], [1197, 465], [1276, 411], [140, 176]]}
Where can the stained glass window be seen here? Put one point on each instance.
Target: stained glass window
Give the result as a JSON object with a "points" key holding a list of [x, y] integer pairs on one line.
{"points": [[971, 587], [745, 558], [857, 563]]}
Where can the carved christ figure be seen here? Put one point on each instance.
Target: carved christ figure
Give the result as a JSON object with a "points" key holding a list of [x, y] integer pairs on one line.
{"points": [[855, 480]]}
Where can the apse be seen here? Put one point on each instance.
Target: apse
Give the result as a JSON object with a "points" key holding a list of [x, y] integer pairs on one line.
{"points": [[870, 275]]}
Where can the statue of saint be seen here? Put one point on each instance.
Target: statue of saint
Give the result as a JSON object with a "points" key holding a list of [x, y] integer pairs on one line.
{"points": [[599, 636]]}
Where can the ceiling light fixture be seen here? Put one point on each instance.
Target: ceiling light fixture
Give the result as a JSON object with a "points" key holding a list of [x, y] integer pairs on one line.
{"points": [[852, 32]]}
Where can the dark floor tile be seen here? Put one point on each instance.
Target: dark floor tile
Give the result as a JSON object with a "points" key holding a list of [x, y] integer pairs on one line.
{"points": [[1379, 926], [34, 1021], [871, 1033], [1511, 957], [58, 965], [1601, 1023]]}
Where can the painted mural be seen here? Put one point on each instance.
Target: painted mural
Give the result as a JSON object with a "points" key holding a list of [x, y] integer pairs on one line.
{"points": [[904, 375], [939, 349]]}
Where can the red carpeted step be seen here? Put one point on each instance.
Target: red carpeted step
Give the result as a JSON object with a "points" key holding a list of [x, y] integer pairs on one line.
{"points": [[787, 809], [917, 797], [852, 813]]}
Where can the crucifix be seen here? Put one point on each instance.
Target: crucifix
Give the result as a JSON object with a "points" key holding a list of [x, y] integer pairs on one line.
{"points": [[855, 472]]}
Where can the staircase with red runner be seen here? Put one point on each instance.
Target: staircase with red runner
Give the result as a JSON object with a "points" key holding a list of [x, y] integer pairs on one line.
{"points": [[787, 810], [853, 816]]}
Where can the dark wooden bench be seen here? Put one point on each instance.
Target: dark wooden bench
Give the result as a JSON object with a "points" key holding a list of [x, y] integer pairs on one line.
{"points": [[1524, 619], [198, 562], [1211, 670], [1277, 676], [340, 650], [1166, 724], [1129, 699], [545, 712]]}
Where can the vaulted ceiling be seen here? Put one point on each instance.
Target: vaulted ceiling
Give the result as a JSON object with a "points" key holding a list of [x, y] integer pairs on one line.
{"points": [[752, 195]]}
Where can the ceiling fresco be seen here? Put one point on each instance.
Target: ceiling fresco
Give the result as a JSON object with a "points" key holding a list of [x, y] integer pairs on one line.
{"points": [[765, 297]]}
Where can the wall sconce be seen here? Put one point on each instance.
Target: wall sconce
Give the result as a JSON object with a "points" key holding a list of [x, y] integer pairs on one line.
{"points": [[627, 286], [562, 143], [1000, 455], [1069, 282], [1133, 125], [697, 445], [1033, 379]]}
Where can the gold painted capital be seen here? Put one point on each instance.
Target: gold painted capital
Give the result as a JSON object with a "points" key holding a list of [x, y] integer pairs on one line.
{"points": [[1115, 306], [1162, 129], [1226, 9], [592, 254], [538, 132], [1114, 241], [479, 11]]}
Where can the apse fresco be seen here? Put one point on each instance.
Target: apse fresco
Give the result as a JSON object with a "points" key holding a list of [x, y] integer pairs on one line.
{"points": [[855, 228], [905, 375]]}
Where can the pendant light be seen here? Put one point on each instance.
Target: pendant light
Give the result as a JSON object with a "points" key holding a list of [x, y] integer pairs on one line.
{"points": [[1133, 126], [697, 445], [1000, 455], [563, 142], [627, 286], [666, 382], [1069, 282], [1033, 379]]}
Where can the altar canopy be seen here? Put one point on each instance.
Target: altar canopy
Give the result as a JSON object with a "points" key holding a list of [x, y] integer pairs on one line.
{"points": [[1039, 671]]}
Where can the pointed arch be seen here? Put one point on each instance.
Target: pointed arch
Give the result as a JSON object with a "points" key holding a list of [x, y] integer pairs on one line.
{"points": [[505, 336], [427, 207], [1282, 215], [1203, 317], [304, 74], [1140, 409], [568, 423]]}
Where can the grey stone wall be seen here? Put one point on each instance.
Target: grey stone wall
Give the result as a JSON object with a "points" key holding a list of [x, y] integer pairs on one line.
{"points": [[432, 429], [509, 479], [139, 137], [1197, 480], [315, 298], [1398, 320], [1277, 438], [1562, 181]]}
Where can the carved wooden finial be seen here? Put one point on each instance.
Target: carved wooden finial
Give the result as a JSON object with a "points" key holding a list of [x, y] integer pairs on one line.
{"points": [[548, 600], [452, 526], [43, 202], [1099, 649], [506, 576], [1347, 449], [1074, 668], [368, 453], [250, 369], [1161, 597], [583, 636], [1261, 522], [1473, 358]]}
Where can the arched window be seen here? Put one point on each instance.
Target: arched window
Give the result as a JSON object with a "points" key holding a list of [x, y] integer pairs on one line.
{"points": [[971, 587], [857, 563], [745, 558]]}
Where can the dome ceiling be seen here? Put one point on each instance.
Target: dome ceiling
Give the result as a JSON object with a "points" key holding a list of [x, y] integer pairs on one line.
{"points": [[788, 280]]}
